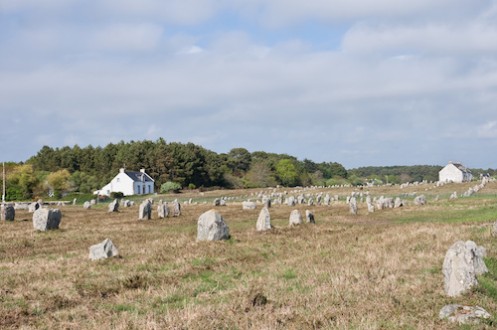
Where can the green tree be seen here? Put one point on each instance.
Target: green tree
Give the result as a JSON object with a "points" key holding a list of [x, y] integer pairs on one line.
{"points": [[58, 182], [21, 180], [260, 175], [287, 173], [239, 160]]}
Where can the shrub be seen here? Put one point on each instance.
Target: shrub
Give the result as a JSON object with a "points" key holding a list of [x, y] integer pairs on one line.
{"points": [[116, 195], [170, 186]]}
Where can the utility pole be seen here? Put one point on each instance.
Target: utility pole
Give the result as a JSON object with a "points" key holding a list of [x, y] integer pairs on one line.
{"points": [[3, 191]]}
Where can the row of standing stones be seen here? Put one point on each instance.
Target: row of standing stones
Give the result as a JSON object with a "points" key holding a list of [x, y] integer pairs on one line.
{"points": [[462, 264]]}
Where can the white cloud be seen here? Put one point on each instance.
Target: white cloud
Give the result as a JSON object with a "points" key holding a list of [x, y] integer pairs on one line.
{"points": [[426, 39], [488, 130], [183, 12], [403, 78], [286, 12], [127, 37]]}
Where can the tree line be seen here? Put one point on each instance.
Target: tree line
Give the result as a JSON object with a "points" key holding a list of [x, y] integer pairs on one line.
{"points": [[58, 171]]}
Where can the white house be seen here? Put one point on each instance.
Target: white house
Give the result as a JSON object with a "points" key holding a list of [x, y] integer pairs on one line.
{"points": [[455, 172], [129, 183]]}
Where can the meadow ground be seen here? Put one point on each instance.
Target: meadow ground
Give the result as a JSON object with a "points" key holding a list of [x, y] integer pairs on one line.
{"points": [[369, 271]]}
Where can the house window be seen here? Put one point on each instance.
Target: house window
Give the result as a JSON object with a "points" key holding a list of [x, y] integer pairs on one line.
{"points": [[118, 179], [138, 188], [143, 189]]}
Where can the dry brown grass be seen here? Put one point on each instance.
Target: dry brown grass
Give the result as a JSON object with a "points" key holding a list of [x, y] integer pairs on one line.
{"points": [[371, 271]]}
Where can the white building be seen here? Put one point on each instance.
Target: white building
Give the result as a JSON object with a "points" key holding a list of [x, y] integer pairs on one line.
{"points": [[455, 172], [129, 183]]}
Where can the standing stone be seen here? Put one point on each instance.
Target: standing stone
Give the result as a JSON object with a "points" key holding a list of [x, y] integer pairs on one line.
{"points": [[74, 201], [93, 202], [420, 200], [8, 212], [453, 195], [310, 201], [87, 205], [370, 204], [145, 210], [309, 217], [33, 207], [46, 219], [103, 250], [162, 210], [295, 218], [114, 206], [176, 208], [264, 220], [494, 229], [327, 199], [462, 263], [211, 227], [353, 205], [217, 202], [290, 201], [248, 205], [266, 201], [398, 203]]}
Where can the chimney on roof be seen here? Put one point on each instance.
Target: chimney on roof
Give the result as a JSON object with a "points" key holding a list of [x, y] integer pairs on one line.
{"points": [[142, 170], [121, 170]]}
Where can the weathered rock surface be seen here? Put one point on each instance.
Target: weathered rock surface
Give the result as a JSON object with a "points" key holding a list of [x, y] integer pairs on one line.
{"points": [[103, 250], [8, 212], [211, 227], [353, 205], [87, 205], [309, 217], [247, 205], [420, 200], [463, 262], [295, 218], [145, 210], [33, 207], [162, 210], [264, 220], [46, 219], [463, 314], [494, 229], [114, 206], [176, 208]]}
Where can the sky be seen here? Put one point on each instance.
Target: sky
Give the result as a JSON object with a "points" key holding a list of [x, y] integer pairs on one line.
{"points": [[359, 82]]}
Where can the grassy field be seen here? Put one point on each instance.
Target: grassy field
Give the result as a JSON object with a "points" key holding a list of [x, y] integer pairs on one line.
{"points": [[369, 271]]}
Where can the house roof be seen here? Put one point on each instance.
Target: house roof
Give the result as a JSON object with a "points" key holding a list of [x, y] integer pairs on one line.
{"points": [[461, 167], [139, 176]]}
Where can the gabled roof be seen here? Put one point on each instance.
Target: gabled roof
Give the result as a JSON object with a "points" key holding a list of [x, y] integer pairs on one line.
{"points": [[139, 176], [461, 167]]}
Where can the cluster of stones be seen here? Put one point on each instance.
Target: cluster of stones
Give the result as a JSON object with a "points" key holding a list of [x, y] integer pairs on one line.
{"points": [[462, 264], [145, 210]]}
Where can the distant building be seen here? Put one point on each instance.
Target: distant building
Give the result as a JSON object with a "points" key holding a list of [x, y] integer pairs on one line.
{"points": [[129, 183], [455, 172]]}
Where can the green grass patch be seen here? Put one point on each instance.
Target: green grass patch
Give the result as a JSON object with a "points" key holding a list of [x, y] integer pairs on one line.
{"points": [[289, 274], [450, 216], [203, 262], [125, 308]]}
